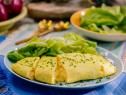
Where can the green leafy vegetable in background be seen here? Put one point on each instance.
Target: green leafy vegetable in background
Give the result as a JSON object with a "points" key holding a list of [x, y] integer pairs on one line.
{"points": [[70, 43], [105, 19]]}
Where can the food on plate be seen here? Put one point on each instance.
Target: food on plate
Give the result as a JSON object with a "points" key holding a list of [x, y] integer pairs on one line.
{"points": [[105, 19], [68, 59], [75, 66], [26, 67], [70, 43], [68, 68], [46, 70]]}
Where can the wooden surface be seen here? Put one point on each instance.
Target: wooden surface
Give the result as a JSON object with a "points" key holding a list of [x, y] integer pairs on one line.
{"points": [[52, 10]]}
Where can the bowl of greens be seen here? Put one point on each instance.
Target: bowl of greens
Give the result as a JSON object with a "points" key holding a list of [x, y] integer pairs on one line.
{"points": [[101, 23]]}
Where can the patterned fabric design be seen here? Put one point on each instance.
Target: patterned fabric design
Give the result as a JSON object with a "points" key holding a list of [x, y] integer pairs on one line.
{"points": [[4, 89]]}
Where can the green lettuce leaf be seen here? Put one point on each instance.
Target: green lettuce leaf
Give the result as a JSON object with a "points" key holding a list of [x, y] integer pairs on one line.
{"points": [[70, 43], [105, 19]]}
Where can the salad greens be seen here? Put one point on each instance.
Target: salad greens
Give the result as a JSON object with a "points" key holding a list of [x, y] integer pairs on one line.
{"points": [[70, 43], [105, 19]]}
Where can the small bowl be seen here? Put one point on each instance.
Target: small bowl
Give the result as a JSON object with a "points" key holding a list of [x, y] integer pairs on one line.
{"points": [[6, 25], [75, 20]]}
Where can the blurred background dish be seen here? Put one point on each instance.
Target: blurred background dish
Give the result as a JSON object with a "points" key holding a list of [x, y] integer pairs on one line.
{"points": [[63, 9], [5, 25], [75, 21], [55, 9]]}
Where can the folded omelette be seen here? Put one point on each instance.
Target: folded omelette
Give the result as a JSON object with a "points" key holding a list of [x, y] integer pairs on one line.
{"points": [[66, 68], [26, 67]]}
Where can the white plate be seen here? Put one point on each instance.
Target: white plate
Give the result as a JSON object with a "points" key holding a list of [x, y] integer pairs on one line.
{"points": [[77, 85]]}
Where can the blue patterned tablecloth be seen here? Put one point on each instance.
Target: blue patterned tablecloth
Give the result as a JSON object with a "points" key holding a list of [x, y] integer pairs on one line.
{"points": [[12, 85], [2, 38]]}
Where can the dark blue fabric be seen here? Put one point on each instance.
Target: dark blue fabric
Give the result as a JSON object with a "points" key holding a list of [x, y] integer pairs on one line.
{"points": [[2, 38], [12, 85]]}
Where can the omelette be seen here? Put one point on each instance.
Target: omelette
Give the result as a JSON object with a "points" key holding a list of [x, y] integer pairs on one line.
{"points": [[68, 68], [45, 70], [78, 67], [26, 67]]}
